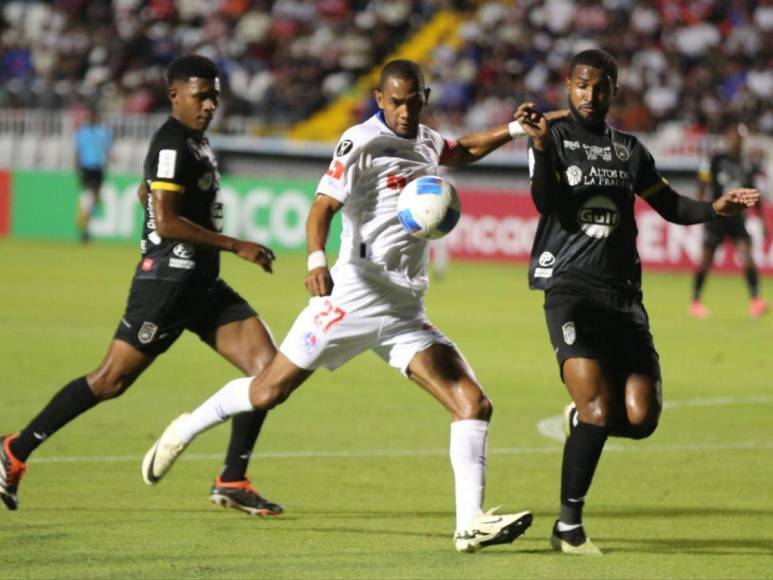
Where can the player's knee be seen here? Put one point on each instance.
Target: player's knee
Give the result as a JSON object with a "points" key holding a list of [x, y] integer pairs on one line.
{"points": [[473, 404], [108, 385], [643, 414], [641, 430], [259, 361], [266, 397], [594, 412]]}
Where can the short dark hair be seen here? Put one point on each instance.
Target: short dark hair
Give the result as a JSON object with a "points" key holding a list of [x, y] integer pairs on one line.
{"points": [[401, 69], [596, 58], [191, 65]]}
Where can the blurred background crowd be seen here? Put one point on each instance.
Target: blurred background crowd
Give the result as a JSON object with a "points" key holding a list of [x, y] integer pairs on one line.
{"points": [[695, 62]]}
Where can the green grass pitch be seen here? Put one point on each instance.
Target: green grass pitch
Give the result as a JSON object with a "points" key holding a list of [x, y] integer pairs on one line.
{"points": [[359, 457]]}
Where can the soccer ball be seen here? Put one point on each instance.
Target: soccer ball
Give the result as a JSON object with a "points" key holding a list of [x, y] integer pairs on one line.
{"points": [[428, 207]]}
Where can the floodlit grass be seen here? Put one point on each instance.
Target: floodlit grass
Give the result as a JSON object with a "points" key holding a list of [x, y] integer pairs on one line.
{"points": [[359, 457]]}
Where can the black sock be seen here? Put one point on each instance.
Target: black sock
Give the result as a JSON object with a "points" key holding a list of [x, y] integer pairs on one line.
{"points": [[753, 281], [700, 278], [72, 400], [245, 429], [581, 455]]}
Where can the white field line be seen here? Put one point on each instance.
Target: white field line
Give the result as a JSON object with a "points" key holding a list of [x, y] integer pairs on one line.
{"points": [[386, 453], [553, 427]]}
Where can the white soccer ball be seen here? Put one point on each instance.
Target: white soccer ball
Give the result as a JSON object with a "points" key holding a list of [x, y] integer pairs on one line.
{"points": [[428, 207]]}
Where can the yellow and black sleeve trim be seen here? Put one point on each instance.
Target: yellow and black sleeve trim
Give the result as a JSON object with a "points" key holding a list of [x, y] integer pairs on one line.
{"points": [[166, 186]]}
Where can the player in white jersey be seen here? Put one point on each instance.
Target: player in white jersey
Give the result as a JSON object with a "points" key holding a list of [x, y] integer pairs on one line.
{"points": [[373, 298]]}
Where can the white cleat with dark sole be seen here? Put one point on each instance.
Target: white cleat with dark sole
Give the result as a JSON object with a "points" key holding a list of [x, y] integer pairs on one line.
{"points": [[160, 458], [489, 529]]}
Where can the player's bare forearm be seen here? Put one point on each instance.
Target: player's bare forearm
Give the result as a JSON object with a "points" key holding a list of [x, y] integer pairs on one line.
{"points": [[475, 146], [323, 208], [318, 279], [170, 225]]}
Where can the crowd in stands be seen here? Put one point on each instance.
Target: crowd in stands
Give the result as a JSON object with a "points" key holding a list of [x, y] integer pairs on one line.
{"points": [[697, 62], [282, 59]]}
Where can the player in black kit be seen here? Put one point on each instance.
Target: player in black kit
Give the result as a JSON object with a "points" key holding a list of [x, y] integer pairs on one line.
{"points": [[725, 171], [584, 177], [175, 287]]}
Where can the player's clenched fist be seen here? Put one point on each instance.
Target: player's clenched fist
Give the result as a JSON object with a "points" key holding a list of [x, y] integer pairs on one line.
{"points": [[256, 253], [534, 124], [319, 282]]}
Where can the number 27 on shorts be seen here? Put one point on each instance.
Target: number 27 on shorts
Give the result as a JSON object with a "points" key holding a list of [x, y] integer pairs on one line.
{"points": [[328, 316]]}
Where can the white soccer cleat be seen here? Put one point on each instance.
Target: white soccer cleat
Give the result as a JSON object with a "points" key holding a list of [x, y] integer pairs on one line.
{"points": [[489, 529], [573, 542], [160, 458]]}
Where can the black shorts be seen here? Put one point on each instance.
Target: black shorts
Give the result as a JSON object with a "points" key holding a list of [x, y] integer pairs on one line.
{"points": [[91, 178], [158, 311], [612, 329], [716, 231]]}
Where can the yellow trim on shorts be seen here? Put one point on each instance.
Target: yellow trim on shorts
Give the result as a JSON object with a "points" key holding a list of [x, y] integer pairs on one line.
{"points": [[166, 186], [653, 188]]}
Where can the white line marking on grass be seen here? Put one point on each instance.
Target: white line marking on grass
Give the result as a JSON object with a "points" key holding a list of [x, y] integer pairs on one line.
{"points": [[376, 453], [553, 427]]}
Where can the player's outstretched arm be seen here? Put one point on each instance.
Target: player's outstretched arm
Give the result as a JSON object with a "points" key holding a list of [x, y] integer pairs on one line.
{"points": [[735, 201], [682, 210], [318, 280], [170, 225], [477, 145]]}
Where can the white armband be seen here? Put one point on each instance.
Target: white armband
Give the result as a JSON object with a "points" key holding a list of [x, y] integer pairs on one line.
{"points": [[315, 260], [515, 130]]}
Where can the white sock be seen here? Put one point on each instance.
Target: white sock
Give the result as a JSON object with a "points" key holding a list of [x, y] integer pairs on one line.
{"points": [[468, 459], [562, 527], [232, 399]]}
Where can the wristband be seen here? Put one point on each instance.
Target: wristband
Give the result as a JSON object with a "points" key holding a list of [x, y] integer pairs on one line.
{"points": [[316, 259], [515, 130]]}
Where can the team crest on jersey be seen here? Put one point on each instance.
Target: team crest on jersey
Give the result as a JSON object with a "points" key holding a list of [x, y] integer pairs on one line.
{"points": [[622, 152], [344, 147], [309, 342], [570, 333], [573, 175], [147, 332], [205, 181]]}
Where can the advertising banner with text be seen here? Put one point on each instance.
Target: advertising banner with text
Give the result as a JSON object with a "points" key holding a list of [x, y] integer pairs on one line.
{"points": [[500, 226], [495, 225], [268, 211]]}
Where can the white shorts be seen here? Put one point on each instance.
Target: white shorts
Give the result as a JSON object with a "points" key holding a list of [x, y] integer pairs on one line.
{"points": [[364, 312]]}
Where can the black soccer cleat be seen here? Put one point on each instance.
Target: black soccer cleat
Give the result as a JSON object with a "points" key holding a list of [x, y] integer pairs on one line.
{"points": [[242, 496], [11, 471], [573, 541]]}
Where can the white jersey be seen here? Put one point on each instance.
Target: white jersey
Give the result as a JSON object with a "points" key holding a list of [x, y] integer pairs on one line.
{"points": [[371, 166]]}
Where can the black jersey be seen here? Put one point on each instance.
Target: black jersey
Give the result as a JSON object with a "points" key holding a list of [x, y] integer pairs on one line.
{"points": [[587, 238], [725, 173], [181, 160]]}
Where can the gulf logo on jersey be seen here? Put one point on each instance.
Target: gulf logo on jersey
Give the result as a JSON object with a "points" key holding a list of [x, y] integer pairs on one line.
{"points": [[598, 217]]}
